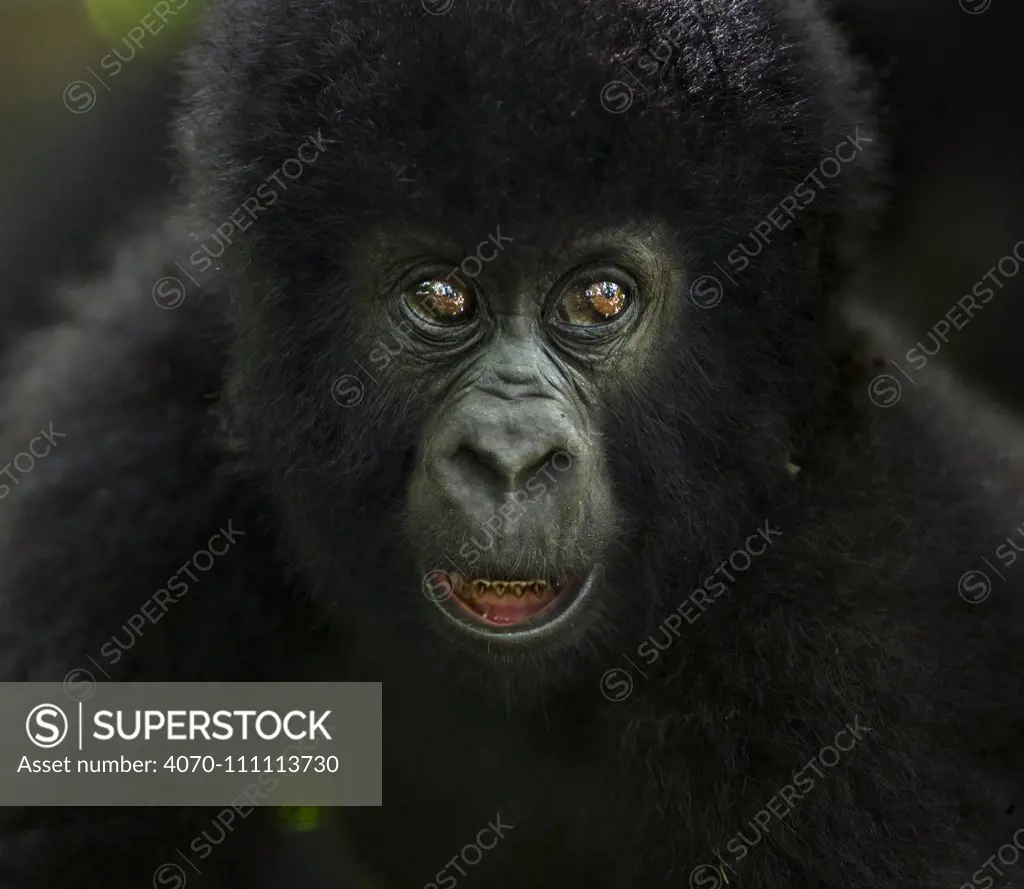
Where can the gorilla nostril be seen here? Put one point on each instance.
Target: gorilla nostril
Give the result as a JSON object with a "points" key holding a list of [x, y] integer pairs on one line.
{"points": [[478, 470], [545, 463]]}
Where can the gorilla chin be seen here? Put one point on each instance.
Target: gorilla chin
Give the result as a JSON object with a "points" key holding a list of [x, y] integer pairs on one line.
{"points": [[514, 612]]}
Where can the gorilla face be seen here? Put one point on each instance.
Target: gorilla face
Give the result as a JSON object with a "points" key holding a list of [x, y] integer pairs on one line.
{"points": [[472, 352], [510, 506]]}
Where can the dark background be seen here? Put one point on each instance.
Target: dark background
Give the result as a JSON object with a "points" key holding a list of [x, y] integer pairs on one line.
{"points": [[952, 83]]}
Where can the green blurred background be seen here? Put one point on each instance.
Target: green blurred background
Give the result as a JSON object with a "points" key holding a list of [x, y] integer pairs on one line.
{"points": [[84, 142]]}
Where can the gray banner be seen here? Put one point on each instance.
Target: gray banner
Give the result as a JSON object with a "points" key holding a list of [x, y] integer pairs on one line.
{"points": [[190, 743]]}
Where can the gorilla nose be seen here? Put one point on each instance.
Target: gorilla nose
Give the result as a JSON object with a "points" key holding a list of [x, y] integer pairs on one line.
{"points": [[496, 467], [488, 454]]}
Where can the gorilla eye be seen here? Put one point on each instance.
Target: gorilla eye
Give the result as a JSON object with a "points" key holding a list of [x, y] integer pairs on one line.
{"points": [[441, 302], [597, 302]]}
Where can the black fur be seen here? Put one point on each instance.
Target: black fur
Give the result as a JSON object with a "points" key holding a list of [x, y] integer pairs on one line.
{"points": [[179, 421]]}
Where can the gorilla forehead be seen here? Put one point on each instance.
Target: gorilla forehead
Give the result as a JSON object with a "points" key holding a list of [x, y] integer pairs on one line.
{"points": [[493, 109]]}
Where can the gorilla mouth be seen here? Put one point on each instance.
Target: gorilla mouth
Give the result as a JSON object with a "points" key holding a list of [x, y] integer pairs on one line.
{"points": [[513, 609], [506, 602]]}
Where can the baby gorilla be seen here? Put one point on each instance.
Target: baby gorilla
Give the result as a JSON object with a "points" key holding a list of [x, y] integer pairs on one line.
{"points": [[506, 341]]}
